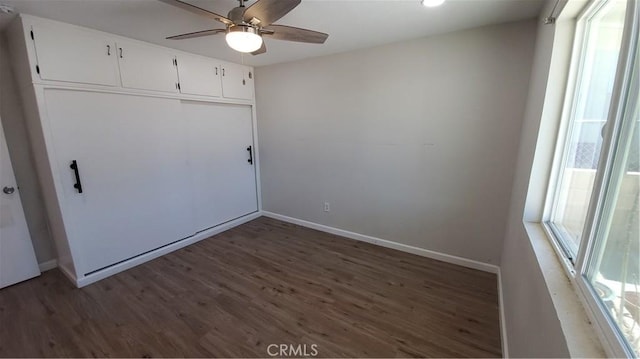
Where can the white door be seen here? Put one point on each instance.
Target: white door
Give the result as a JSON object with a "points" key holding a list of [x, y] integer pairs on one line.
{"points": [[147, 67], [199, 76], [66, 53], [237, 81], [220, 150], [17, 258], [130, 153]]}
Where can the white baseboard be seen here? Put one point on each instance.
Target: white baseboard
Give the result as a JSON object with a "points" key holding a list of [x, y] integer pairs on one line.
{"points": [[465, 262], [48, 265], [503, 318], [117, 268]]}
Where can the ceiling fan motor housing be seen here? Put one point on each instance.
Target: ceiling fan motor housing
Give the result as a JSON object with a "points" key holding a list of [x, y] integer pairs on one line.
{"points": [[237, 15], [243, 28]]}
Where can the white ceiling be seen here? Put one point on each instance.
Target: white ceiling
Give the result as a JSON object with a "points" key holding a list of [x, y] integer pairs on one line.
{"points": [[351, 24]]}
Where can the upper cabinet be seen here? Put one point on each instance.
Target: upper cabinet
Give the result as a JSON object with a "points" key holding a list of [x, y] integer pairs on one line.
{"points": [[68, 53], [147, 67], [199, 76], [237, 81], [71, 54]]}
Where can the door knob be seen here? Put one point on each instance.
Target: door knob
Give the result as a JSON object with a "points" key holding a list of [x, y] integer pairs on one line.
{"points": [[8, 190]]}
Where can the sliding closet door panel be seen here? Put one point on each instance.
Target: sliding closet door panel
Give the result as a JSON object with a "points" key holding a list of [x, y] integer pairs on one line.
{"points": [[131, 155], [224, 181]]}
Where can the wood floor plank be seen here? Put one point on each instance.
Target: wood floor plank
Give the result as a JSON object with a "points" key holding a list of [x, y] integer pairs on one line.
{"points": [[264, 282]]}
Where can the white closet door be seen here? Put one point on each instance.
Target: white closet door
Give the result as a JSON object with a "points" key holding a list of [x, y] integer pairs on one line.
{"points": [[131, 158], [224, 181]]}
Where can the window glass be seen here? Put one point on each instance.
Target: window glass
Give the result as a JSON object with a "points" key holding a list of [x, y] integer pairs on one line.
{"points": [[591, 103], [614, 266]]}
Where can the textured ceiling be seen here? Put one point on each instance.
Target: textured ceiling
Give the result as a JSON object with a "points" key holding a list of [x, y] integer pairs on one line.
{"points": [[351, 24]]}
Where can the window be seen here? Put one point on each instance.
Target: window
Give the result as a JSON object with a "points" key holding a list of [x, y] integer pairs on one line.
{"points": [[587, 118], [593, 213]]}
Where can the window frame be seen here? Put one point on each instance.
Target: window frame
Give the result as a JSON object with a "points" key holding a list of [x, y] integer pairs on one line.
{"points": [[599, 205]]}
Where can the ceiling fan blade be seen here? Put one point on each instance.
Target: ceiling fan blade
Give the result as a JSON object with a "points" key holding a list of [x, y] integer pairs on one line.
{"points": [[191, 35], [290, 33], [197, 10], [261, 50], [269, 11]]}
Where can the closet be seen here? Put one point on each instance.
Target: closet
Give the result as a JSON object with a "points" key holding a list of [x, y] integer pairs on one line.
{"points": [[140, 151]]}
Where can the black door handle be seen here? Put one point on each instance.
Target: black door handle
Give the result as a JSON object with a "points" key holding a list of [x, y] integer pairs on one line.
{"points": [[78, 184], [250, 160]]}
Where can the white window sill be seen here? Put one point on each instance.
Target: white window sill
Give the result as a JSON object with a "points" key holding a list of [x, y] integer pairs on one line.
{"points": [[580, 334]]}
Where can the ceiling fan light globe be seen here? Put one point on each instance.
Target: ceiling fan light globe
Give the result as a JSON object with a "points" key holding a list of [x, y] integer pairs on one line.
{"points": [[243, 39], [432, 3]]}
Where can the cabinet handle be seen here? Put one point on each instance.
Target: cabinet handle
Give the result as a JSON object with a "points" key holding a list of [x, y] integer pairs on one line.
{"points": [[108, 50], [223, 71], [244, 82], [78, 184], [120, 52], [250, 160], [216, 71], [250, 75]]}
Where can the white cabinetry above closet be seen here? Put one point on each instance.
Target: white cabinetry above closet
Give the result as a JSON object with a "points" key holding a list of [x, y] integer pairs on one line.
{"points": [[147, 67], [199, 76], [67, 53], [237, 81], [70, 54]]}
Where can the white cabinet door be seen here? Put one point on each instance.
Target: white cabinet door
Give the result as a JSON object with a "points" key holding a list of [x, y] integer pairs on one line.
{"points": [[66, 53], [199, 76], [131, 160], [237, 81], [147, 67], [17, 257], [223, 178]]}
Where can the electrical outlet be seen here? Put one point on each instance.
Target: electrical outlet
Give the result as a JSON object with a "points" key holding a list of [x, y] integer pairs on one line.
{"points": [[326, 207]]}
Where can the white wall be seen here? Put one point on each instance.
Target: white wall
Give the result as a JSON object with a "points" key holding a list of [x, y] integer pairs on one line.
{"points": [[21, 157], [413, 142], [533, 326]]}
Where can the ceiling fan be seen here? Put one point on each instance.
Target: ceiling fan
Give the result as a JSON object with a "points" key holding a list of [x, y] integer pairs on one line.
{"points": [[245, 26]]}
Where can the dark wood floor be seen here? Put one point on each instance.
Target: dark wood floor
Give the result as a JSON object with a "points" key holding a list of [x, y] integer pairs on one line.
{"points": [[265, 282]]}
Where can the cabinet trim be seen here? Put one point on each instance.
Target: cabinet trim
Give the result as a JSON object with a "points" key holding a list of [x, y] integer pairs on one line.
{"points": [[135, 92]]}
